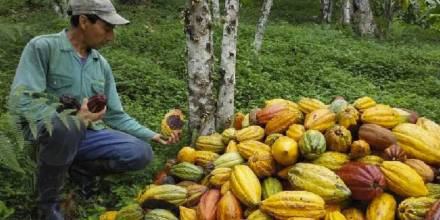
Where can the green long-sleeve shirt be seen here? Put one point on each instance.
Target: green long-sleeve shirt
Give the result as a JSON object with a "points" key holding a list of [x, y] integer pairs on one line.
{"points": [[49, 64]]}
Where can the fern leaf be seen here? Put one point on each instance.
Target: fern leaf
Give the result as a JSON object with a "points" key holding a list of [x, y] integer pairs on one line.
{"points": [[8, 157]]}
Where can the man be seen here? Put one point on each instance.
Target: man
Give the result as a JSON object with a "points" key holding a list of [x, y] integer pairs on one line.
{"points": [[67, 63]]}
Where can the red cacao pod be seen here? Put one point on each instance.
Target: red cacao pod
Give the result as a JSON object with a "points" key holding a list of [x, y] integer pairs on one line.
{"points": [[269, 112], [434, 212], [394, 152], [376, 136], [364, 180], [97, 103]]}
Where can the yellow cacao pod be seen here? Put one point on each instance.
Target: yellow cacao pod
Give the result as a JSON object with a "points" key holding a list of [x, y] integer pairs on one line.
{"points": [[220, 176], [253, 132], [285, 102], [295, 131], [334, 215], [109, 215], [285, 151], [429, 126], [364, 103], [371, 159], [225, 188], [320, 120], [262, 164], [359, 148], [338, 138], [282, 121], [232, 147], [284, 173], [332, 160], [187, 213], [213, 143], [247, 148], [259, 215], [245, 185], [422, 169], [171, 193], [187, 154], [228, 135], [415, 208], [307, 105], [382, 115], [203, 158], [348, 117], [288, 204], [353, 214], [417, 143], [382, 207], [228, 208], [403, 180]]}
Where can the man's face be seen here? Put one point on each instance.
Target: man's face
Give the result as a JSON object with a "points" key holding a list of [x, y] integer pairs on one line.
{"points": [[96, 34]]}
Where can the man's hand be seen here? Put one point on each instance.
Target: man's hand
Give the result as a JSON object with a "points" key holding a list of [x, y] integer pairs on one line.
{"points": [[174, 138], [86, 116]]}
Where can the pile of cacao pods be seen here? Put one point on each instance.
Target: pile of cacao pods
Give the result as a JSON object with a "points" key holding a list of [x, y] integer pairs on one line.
{"points": [[303, 160]]}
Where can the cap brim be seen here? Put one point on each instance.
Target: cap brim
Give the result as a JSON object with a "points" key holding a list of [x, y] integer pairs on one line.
{"points": [[113, 18]]}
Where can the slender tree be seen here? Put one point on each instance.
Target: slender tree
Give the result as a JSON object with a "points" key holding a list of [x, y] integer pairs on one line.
{"points": [[388, 14], [60, 7], [326, 11], [363, 18], [198, 29], [261, 26], [225, 103], [215, 10], [347, 12]]}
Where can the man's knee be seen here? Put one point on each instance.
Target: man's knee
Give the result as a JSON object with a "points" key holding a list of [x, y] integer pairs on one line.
{"points": [[142, 155]]}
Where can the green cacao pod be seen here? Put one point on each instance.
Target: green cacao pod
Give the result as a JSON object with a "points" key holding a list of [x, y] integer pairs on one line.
{"points": [[270, 187], [130, 212], [228, 160], [332, 160], [312, 144], [171, 193], [160, 214], [213, 143], [338, 138], [415, 208], [187, 171]]}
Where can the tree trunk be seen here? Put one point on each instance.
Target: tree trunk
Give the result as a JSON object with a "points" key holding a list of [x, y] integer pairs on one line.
{"points": [[215, 10], [225, 103], [261, 26], [326, 11], [198, 29], [347, 12], [60, 7], [388, 14], [363, 18]]}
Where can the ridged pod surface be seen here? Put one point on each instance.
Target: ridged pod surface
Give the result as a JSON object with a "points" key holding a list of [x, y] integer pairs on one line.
{"points": [[295, 131], [228, 208], [382, 115], [371, 159], [259, 215], [269, 112], [320, 119], [160, 214], [417, 143], [132, 211], [379, 138], [348, 117], [312, 144], [285, 151], [359, 148], [187, 171], [270, 187], [108, 215], [170, 193], [220, 176], [364, 103], [433, 190], [232, 147], [186, 154], [187, 213], [332, 160], [402, 179], [245, 185], [262, 164], [430, 126], [213, 143], [353, 214], [307, 105], [421, 168], [207, 207], [334, 215], [203, 158], [228, 135], [434, 212], [286, 102], [195, 192], [338, 138], [415, 208], [319, 180], [383, 207], [288, 204], [253, 132], [282, 121], [228, 160], [270, 139], [247, 148]]}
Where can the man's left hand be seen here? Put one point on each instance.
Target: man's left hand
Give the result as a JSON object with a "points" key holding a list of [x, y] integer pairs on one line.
{"points": [[174, 138]]}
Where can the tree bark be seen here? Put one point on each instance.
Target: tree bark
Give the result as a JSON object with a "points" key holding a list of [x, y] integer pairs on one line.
{"points": [[388, 14], [198, 29], [60, 7], [347, 12], [225, 102], [261, 26], [326, 11], [363, 18], [216, 10]]}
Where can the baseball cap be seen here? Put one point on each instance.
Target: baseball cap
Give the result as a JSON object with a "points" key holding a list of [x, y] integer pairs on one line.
{"points": [[104, 9]]}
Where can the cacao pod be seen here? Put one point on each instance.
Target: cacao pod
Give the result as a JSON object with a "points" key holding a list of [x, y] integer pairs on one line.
{"points": [[187, 171], [335, 215], [282, 121], [319, 180], [364, 103], [228, 160], [332, 160], [371, 159], [269, 112], [160, 214], [320, 120], [187, 214], [430, 126], [170, 193], [365, 181], [195, 192], [213, 143], [382, 115], [270, 187], [220, 176], [348, 117], [285, 151], [203, 158], [108, 215], [433, 190], [424, 170], [172, 121], [254, 132], [359, 148], [270, 139], [206, 210], [414, 208], [338, 104], [228, 208], [259, 215], [394, 152], [97, 103], [228, 135], [262, 164], [379, 138], [232, 147], [353, 214], [407, 116], [403, 180], [285, 102], [338, 138], [247, 148], [434, 212], [245, 185], [382, 207], [132, 212], [307, 105], [312, 144], [238, 120], [295, 131], [187, 154]]}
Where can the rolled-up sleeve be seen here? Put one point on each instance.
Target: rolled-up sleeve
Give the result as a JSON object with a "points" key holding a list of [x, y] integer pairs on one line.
{"points": [[115, 116]]}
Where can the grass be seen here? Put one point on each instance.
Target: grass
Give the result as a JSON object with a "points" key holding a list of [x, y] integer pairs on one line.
{"points": [[299, 58]]}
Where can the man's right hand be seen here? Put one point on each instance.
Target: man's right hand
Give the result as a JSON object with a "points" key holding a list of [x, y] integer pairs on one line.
{"points": [[86, 116]]}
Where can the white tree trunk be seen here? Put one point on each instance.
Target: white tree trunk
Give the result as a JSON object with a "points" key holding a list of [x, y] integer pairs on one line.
{"points": [[363, 18], [326, 11], [261, 26], [198, 29], [225, 102], [347, 12], [216, 10], [60, 7]]}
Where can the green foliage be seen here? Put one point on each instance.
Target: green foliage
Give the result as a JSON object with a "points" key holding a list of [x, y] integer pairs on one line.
{"points": [[5, 212]]}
